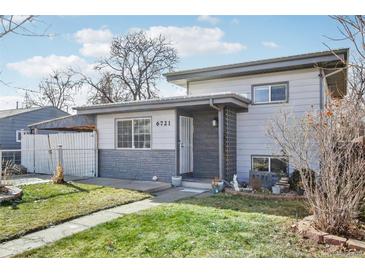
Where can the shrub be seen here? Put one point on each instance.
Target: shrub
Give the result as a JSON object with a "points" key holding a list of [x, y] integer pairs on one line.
{"points": [[322, 147], [295, 180], [256, 184], [59, 177]]}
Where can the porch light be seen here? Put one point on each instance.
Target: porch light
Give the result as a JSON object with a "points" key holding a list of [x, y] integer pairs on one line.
{"points": [[215, 122]]}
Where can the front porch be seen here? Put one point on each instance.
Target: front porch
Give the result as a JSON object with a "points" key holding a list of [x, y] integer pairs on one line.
{"points": [[207, 142]]}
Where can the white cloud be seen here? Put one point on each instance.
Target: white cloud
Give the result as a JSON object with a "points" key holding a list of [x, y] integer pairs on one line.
{"points": [[196, 40], [209, 19], [270, 44], [39, 66], [95, 43]]}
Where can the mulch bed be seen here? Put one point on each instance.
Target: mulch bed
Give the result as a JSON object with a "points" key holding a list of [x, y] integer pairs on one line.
{"points": [[265, 196]]}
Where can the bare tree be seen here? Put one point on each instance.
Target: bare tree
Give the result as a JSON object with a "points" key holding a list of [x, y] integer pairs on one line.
{"points": [[330, 143], [58, 90], [106, 89], [327, 142], [137, 62], [352, 29], [20, 25]]}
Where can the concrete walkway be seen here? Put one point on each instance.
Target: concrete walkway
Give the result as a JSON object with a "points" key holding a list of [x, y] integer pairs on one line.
{"points": [[52, 234]]}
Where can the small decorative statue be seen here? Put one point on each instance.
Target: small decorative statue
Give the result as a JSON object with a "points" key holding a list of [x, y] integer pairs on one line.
{"points": [[235, 183]]}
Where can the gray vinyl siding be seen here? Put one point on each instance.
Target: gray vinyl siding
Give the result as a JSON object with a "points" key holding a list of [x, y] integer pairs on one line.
{"points": [[137, 164], [252, 139], [9, 125]]}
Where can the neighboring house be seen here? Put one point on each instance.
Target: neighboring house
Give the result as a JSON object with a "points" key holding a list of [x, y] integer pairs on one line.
{"points": [[13, 121], [219, 128]]}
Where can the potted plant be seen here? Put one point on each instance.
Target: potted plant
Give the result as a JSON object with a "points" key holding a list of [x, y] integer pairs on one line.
{"points": [[217, 185]]}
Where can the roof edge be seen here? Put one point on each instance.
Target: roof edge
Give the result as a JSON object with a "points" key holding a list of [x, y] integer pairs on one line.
{"points": [[163, 102], [32, 110], [334, 52]]}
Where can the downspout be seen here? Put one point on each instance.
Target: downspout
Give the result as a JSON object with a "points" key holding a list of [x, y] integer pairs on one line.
{"points": [[220, 137], [212, 105], [321, 97]]}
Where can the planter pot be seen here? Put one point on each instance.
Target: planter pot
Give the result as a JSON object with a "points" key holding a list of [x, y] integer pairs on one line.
{"points": [[218, 188], [275, 189], [176, 181]]}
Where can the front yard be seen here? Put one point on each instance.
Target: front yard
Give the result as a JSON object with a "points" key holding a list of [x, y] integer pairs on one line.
{"points": [[44, 205], [216, 226]]}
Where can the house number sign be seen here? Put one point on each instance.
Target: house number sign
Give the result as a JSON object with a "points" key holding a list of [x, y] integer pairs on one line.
{"points": [[163, 123]]}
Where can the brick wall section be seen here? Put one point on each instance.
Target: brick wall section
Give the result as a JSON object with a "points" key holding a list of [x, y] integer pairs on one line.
{"points": [[230, 143], [137, 164], [206, 146]]}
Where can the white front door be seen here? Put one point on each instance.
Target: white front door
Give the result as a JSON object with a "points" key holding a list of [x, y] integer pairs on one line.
{"points": [[186, 144]]}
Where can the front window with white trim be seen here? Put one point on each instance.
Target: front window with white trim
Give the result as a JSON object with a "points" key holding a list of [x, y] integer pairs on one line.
{"points": [[274, 164], [134, 133], [272, 93]]}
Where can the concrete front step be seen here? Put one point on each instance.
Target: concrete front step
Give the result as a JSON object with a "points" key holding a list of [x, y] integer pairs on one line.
{"points": [[159, 188], [196, 184]]}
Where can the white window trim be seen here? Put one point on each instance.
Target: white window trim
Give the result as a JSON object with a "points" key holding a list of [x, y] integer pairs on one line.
{"points": [[269, 86], [132, 119], [268, 157], [17, 135]]}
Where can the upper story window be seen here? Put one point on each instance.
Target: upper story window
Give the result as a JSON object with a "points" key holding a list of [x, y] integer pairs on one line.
{"points": [[134, 133], [271, 93]]}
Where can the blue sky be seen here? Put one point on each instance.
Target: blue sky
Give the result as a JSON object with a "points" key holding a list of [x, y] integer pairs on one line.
{"points": [[201, 41]]}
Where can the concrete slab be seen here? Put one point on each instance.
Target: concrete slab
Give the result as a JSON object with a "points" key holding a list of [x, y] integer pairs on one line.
{"points": [[96, 218], [134, 207], [174, 194], [145, 186], [55, 233], [6, 253], [19, 245]]}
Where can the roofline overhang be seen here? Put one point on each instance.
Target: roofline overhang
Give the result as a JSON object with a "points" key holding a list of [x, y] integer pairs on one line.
{"points": [[231, 99], [310, 60]]}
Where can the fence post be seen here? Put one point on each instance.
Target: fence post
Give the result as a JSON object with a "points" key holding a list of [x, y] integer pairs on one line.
{"points": [[1, 164], [96, 154], [60, 155]]}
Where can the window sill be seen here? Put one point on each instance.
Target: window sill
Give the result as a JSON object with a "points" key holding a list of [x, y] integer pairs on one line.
{"points": [[270, 103], [121, 148]]}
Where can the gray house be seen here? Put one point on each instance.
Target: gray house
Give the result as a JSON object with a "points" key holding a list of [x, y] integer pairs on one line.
{"points": [[13, 121], [219, 127]]}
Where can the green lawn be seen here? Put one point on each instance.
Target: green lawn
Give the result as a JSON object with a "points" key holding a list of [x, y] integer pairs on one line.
{"points": [[44, 205], [217, 226]]}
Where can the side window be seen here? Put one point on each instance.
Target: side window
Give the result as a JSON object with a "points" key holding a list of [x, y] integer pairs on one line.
{"points": [[274, 164]]}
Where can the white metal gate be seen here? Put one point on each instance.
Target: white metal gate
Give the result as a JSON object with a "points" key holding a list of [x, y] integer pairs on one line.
{"points": [[40, 153], [186, 144]]}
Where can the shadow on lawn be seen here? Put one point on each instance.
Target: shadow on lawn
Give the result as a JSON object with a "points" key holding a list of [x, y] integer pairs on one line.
{"points": [[293, 209], [45, 196]]}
